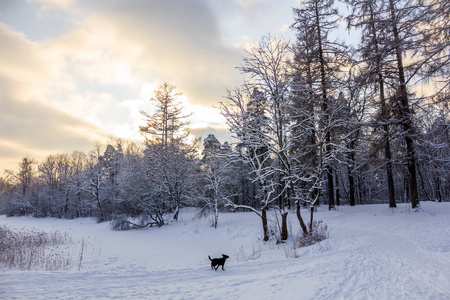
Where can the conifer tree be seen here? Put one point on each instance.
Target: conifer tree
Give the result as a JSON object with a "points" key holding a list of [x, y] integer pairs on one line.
{"points": [[169, 156]]}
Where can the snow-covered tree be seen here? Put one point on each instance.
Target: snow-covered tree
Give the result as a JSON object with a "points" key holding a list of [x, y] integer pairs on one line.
{"points": [[250, 148], [21, 198], [258, 116], [55, 173], [217, 169], [94, 182], [80, 205], [112, 160], [169, 156], [167, 124]]}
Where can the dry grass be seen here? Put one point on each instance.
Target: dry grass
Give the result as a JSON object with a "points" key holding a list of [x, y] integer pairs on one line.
{"points": [[32, 249]]}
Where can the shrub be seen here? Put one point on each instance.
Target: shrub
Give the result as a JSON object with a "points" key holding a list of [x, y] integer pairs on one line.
{"points": [[120, 223], [319, 233]]}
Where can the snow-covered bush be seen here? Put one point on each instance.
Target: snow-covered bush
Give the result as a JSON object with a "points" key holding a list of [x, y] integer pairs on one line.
{"points": [[120, 223]]}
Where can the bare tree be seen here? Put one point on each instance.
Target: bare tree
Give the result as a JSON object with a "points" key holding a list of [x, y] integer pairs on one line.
{"points": [[247, 123], [367, 16], [258, 116], [55, 173], [314, 20], [79, 162], [94, 181]]}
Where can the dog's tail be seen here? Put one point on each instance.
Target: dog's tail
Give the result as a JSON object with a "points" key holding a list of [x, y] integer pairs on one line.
{"points": [[209, 258]]}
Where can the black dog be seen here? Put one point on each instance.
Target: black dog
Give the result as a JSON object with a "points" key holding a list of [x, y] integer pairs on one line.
{"points": [[216, 262]]}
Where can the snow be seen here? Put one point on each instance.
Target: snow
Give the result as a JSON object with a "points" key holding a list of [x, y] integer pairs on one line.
{"points": [[373, 253]]}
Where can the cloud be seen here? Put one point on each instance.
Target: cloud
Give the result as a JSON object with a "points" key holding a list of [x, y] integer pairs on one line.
{"points": [[92, 66], [251, 19], [36, 129], [119, 118], [175, 41], [203, 116], [36, 125], [96, 54], [142, 44], [49, 3], [32, 70], [29, 124]]}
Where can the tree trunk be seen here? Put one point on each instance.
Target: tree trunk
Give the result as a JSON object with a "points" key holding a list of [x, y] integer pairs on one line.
{"points": [[66, 203], [406, 120], [411, 161], [298, 213], [390, 177], [437, 188], [264, 224], [351, 178], [216, 213], [300, 219], [331, 204], [284, 231], [311, 211], [102, 218], [361, 188], [351, 183], [177, 212], [384, 113], [338, 200], [406, 189], [328, 147]]}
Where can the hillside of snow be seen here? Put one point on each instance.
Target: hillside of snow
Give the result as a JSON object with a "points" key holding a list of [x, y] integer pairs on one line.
{"points": [[373, 252]]}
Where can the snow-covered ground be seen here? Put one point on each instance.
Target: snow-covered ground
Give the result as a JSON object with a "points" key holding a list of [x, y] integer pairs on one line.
{"points": [[373, 253]]}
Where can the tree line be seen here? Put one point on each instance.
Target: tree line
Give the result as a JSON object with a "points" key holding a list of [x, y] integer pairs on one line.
{"points": [[316, 121]]}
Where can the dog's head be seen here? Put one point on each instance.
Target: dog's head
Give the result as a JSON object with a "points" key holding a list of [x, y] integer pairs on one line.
{"points": [[225, 256]]}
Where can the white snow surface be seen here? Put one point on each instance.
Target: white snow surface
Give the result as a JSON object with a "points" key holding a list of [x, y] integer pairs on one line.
{"points": [[373, 252]]}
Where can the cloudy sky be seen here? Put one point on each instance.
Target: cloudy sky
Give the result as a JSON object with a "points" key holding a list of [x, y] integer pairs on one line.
{"points": [[73, 72]]}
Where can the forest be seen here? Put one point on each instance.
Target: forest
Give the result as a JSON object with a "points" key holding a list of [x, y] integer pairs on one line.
{"points": [[317, 121]]}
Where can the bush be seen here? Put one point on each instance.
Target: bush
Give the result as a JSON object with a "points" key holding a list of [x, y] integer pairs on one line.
{"points": [[120, 223], [34, 250], [319, 233]]}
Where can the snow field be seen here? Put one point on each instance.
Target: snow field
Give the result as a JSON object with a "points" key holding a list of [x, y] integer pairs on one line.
{"points": [[373, 253]]}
